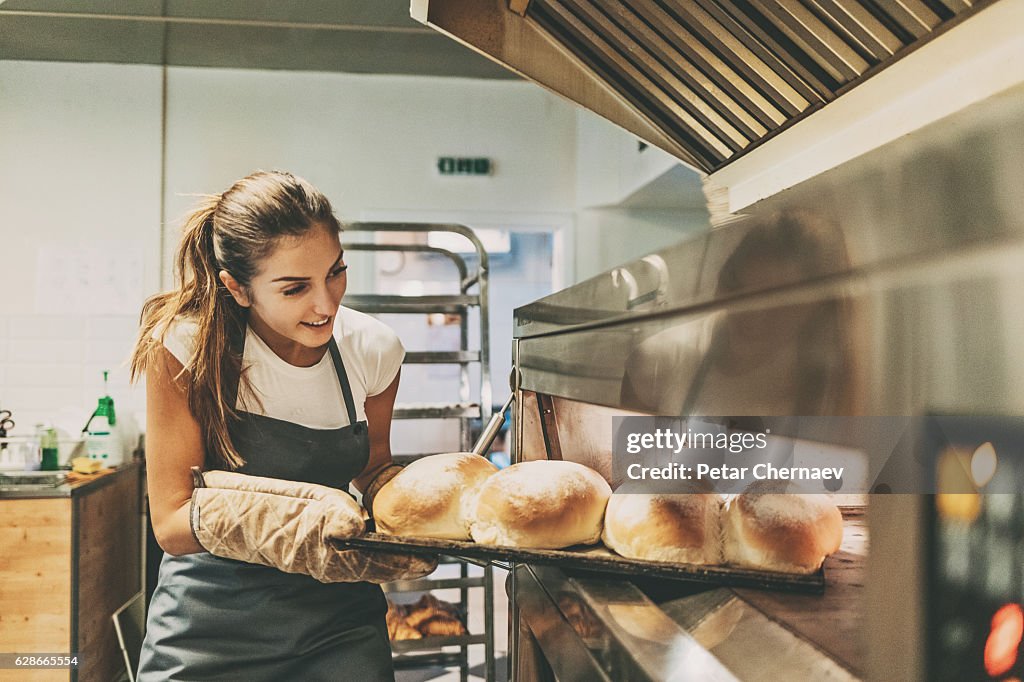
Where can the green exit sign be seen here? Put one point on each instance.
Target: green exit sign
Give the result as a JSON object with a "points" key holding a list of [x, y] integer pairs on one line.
{"points": [[462, 165]]}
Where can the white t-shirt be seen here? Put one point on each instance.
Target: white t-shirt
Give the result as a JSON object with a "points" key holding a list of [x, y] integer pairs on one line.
{"points": [[311, 396]]}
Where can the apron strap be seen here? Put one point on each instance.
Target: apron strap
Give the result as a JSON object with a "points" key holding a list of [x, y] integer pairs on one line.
{"points": [[346, 389]]}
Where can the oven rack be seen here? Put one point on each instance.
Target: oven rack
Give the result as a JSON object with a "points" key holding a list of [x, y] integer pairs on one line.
{"points": [[430, 651], [437, 651]]}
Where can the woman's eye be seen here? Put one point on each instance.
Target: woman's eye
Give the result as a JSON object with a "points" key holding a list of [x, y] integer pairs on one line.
{"points": [[338, 270], [293, 290]]}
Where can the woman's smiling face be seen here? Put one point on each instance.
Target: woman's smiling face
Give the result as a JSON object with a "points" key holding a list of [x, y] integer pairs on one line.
{"points": [[294, 297]]}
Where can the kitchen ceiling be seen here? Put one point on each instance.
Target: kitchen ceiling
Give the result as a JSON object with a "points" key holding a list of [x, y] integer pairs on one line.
{"points": [[705, 80], [353, 36]]}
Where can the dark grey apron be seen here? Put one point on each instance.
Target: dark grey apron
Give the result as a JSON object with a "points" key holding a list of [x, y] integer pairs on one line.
{"points": [[218, 619]]}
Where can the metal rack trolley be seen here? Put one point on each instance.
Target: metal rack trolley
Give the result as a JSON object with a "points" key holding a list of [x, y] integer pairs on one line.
{"points": [[428, 651]]}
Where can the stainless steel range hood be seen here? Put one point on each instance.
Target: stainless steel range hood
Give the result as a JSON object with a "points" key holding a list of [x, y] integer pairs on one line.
{"points": [[705, 80]]}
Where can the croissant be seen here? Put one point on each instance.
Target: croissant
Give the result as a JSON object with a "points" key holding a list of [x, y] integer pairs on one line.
{"points": [[442, 625], [397, 627], [427, 607]]}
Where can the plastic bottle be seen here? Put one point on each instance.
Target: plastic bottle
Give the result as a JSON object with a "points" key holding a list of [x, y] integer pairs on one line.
{"points": [[50, 449], [101, 440], [30, 451]]}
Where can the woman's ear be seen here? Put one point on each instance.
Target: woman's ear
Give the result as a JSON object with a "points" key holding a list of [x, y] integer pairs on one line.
{"points": [[236, 290]]}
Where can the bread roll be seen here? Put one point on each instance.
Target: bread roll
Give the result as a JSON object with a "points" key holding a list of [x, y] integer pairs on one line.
{"points": [[778, 532], [541, 505], [681, 528], [432, 497]]}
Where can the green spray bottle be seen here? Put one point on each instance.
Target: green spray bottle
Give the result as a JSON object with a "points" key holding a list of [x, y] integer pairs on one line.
{"points": [[101, 440]]}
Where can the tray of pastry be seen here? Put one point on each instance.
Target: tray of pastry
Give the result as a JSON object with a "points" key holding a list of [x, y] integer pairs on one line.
{"points": [[595, 558], [427, 624]]}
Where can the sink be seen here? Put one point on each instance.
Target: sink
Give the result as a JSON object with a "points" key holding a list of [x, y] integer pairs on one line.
{"points": [[31, 480]]}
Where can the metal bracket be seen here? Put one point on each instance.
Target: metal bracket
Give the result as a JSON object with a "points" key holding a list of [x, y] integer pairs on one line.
{"points": [[549, 426]]}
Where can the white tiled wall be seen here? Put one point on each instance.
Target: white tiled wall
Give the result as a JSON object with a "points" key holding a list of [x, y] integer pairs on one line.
{"points": [[82, 172], [3, 354], [51, 368]]}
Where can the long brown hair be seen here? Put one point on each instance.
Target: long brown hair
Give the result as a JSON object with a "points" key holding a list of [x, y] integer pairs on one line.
{"points": [[232, 231]]}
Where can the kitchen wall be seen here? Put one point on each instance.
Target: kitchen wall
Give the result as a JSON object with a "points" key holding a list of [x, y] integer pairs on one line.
{"points": [[611, 162], [631, 198], [619, 235], [95, 175], [370, 143], [79, 215]]}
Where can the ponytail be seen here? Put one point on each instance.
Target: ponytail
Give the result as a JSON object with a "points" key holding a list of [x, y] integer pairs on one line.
{"points": [[202, 299], [234, 231]]}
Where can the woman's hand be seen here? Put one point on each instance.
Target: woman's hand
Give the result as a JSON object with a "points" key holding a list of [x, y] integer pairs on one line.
{"points": [[174, 444]]}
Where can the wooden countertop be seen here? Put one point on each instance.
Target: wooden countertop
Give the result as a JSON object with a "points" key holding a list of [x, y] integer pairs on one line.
{"points": [[76, 484], [71, 557]]}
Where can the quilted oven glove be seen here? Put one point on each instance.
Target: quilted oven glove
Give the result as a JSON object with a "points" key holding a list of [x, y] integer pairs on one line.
{"points": [[288, 525], [379, 481]]}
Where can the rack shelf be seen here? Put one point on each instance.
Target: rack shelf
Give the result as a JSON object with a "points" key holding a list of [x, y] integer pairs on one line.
{"points": [[407, 645], [427, 659], [437, 411], [376, 303], [414, 653], [442, 357]]}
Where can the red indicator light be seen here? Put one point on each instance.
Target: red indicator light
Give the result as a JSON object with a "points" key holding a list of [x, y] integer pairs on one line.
{"points": [[1004, 639]]}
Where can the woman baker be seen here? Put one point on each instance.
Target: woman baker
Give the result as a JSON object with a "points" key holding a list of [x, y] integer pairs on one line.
{"points": [[257, 377]]}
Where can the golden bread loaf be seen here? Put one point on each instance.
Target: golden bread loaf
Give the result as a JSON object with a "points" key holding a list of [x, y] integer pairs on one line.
{"points": [[678, 527], [792, 533], [432, 497], [541, 504]]}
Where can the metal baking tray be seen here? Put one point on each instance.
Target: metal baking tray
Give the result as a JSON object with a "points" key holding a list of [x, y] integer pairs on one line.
{"points": [[597, 559]]}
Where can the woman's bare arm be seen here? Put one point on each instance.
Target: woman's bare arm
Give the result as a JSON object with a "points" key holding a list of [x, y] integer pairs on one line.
{"points": [[174, 444], [379, 410]]}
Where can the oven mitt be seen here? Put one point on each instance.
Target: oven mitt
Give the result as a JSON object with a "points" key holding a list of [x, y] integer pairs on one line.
{"points": [[378, 482], [288, 525], [361, 565]]}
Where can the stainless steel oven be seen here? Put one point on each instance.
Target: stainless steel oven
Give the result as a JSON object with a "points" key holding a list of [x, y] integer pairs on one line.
{"points": [[886, 287]]}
